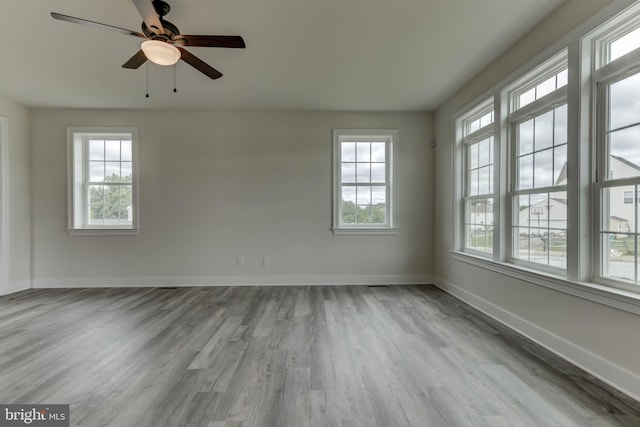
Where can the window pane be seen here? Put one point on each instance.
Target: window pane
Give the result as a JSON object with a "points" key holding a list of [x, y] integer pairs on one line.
{"points": [[543, 131], [349, 205], [563, 78], [559, 165], [378, 151], [546, 87], [112, 171], [363, 152], [624, 102], [484, 152], [560, 125], [624, 44], [624, 153], [96, 150], [363, 195], [478, 224], [126, 171], [126, 151], [96, 194], [618, 256], [363, 172], [378, 172], [364, 214], [525, 172], [525, 137], [378, 195], [522, 241], [484, 180], [618, 209], [527, 98], [543, 169], [112, 150], [348, 152], [348, 172], [473, 156], [487, 119], [473, 183], [96, 171]]}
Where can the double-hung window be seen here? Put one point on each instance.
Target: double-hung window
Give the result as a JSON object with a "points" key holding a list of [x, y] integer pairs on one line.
{"points": [[538, 142], [478, 142], [102, 181], [617, 84], [365, 181]]}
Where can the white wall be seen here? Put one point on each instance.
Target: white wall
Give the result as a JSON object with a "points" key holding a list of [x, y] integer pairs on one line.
{"points": [[597, 337], [219, 185], [18, 259]]}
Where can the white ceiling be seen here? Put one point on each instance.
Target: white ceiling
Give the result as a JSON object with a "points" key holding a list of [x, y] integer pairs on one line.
{"points": [[369, 55]]}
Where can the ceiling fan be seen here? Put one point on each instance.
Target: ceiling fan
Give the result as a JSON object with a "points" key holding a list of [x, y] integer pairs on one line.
{"points": [[163, 45]]}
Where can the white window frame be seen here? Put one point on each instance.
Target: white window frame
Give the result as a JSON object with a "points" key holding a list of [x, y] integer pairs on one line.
{"points": [[77, 169], [466, 138], [518, 115], [604, 74], [390, 137], [584, 46]]}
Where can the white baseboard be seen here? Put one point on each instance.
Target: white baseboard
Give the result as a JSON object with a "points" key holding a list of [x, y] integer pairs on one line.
{"points": [[616, 376], [134, 282]]}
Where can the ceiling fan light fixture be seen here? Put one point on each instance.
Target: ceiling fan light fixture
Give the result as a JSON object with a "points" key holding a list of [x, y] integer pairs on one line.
{"points": [[159, 52]]}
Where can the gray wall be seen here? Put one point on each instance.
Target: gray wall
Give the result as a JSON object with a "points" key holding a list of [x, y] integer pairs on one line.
{"points": [[219, 185], [597, 337], [18, 257]]}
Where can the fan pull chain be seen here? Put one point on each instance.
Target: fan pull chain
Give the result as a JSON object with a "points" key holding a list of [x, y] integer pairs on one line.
{"points": [[174, 77], [146, 66]]}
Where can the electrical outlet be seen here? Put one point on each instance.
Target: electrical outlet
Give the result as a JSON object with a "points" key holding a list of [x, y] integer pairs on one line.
{"points": [[240, 261], [266, 261]]}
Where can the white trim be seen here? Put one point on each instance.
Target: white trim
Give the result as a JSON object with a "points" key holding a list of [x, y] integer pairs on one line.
{"points": [[103, 231], [364, 231], [76, 164], [185, 281], [614, 375], [391, 138], [612, 297], [4, 206]]}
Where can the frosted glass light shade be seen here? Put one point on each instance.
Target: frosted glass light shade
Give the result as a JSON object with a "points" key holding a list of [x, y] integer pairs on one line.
{"points": [[160, 52]]}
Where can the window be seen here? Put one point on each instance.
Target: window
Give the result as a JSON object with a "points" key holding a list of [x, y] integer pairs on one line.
{"points": [[478, 142], [618, 122], [365, 181], [558, 159], [102, 181], [539, 164]]}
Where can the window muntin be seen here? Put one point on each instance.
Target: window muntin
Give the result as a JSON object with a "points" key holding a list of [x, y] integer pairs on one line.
{"points": [[364, 182], [102, 187]]}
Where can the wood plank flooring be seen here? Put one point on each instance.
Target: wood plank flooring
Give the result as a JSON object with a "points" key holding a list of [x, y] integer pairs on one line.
{"points": [[287, 357]]}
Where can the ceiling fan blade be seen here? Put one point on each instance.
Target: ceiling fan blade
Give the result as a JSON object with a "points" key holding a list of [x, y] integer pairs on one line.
{"points": [[149, 15], [75, 20], [199, 64], [210, 41], [135, 61]]}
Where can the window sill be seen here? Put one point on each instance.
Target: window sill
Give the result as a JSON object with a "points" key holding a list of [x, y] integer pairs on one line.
{"points": [[102, 231], [612, 297], [364, 231]]}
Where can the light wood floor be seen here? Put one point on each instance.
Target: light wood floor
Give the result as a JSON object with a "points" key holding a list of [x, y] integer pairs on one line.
{"points": [[287, 357]]}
